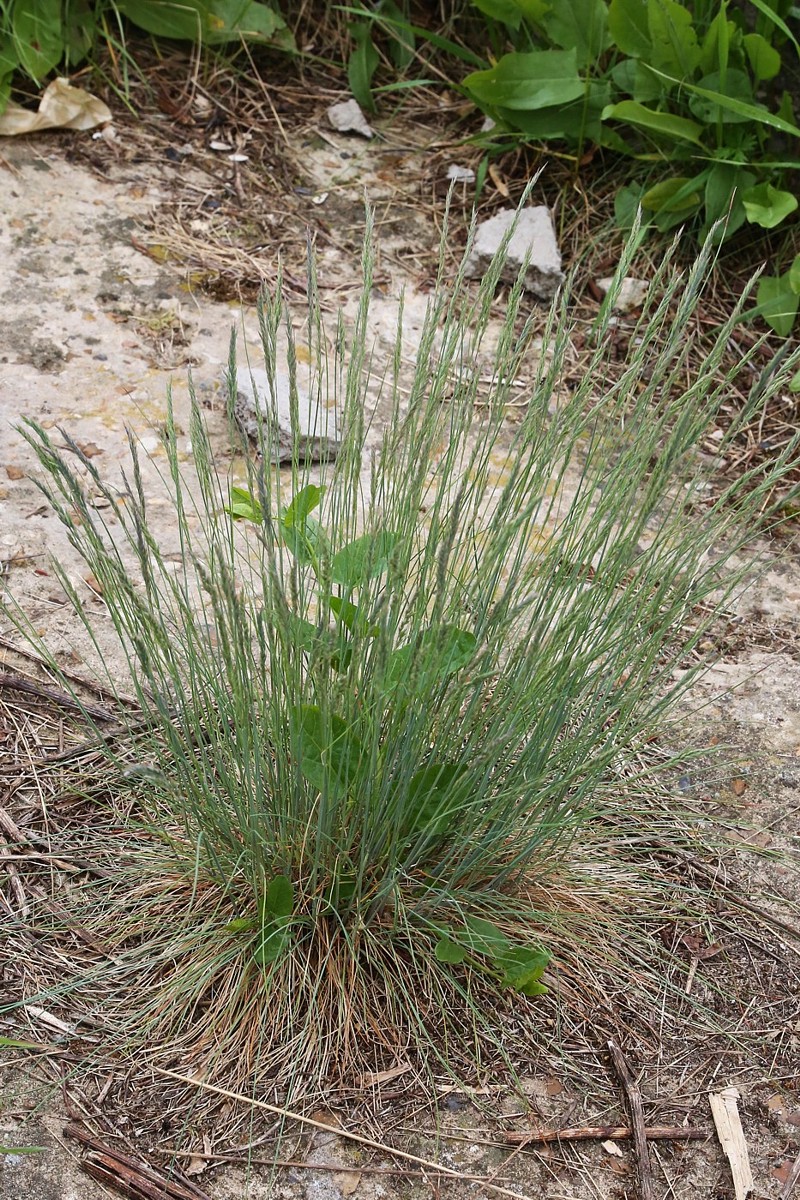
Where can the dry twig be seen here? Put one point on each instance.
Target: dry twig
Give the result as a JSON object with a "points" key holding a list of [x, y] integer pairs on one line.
{"points": [[604, 1133], [634, 1099], [129, 1175]]}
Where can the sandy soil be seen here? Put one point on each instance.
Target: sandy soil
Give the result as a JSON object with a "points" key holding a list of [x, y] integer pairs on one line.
{"points": [[92, 332]]}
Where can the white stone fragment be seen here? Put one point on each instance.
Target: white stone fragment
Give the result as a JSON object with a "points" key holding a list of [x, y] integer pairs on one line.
{"points": [[262, 400], [347, 117], [534, 238], [632, 292], [460, 174]]}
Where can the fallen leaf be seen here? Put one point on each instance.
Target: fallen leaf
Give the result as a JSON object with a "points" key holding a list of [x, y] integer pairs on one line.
{"points": [[90, 449], [776, 1103], [15, 472], [94, 584], [61, 107], [499, 182], [738, 786], [554, 1087], [612, 1148]]}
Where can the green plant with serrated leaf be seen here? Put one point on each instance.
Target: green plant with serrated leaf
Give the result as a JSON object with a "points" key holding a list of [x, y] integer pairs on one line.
{"points": [[38, 36], [399, 710]]}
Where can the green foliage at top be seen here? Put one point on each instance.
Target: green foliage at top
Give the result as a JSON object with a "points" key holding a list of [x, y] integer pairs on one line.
{"points": [[385, 693], [36, 36], [692, 94], [691, 89]]}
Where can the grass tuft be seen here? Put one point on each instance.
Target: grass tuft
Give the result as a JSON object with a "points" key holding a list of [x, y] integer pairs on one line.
{"points": [[401, 709]]}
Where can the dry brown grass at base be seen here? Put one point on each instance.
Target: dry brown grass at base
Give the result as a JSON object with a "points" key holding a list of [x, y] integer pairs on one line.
{"points": [[634, 913]]}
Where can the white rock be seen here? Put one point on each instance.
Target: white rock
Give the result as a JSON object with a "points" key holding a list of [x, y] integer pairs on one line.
{"points": [[258, 397], [534, 238], [347, 117], [460, 174], [632, 292]]}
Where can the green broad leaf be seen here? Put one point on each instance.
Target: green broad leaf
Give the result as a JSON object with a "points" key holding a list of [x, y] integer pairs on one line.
{"points": [[505, 11], [232, 20], [341, 891], [630, 28], [528, 81], [345, 611], [329, 751], [279, 900], [765, 61], [433, 799], [578, 24], [306, 540], [794, 387], [79, 32], [362, 64], [716, 48], [270, 945], [736, 86], [9, 59], [637, 80], [778, 303], [37, 32], [673, 38], [767, 206], [352, 617], [627, 203], [402, 43], [448, 951], [767, 10], [754, 112], [303, 504], [725, 183], [22, 1149], [483, 937], [240, 925], [244, 506], [665, 125], [365, 558], [522, 969], [186, 20], [677, 195], [431, 657], [276, 912], [578, 122], [794, 276], [307, 636]]}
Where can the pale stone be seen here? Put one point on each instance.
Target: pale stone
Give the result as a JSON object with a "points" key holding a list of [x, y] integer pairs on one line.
{"points": [[263, 400], [347, 117], [533, 238], [632, 292]]}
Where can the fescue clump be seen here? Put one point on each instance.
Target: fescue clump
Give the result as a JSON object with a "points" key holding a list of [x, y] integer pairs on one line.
{"points": [[387, 700]]}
